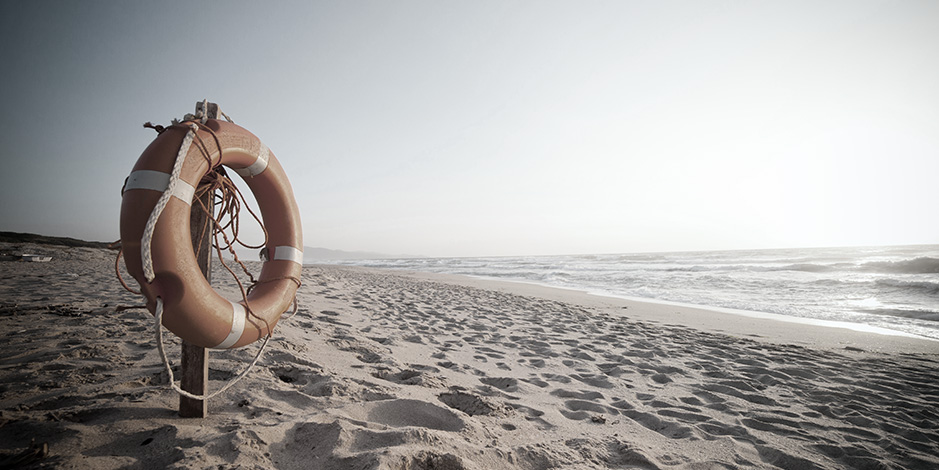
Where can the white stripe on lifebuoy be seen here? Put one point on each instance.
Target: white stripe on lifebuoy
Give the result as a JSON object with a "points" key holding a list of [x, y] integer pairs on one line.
{"points": [[288, 253], [158, 181], [258, 166], [239, 314]]}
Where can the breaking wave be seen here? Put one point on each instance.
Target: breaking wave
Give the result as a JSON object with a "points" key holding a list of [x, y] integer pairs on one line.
{"points": [[921, 265], [922, 287]]}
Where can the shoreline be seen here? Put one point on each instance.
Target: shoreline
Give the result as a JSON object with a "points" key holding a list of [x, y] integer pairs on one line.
{"points": [[860, 327], [385, 369], [885, 287], [774, 327]]}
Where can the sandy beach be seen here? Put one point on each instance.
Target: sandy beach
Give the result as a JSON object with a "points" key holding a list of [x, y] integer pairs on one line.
{"points": [[399, 370]]}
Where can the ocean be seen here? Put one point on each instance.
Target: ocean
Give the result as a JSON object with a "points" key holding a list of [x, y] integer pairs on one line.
{"points": [[894, 287]]}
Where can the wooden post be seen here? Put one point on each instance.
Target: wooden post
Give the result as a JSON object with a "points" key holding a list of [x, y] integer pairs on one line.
{"points": [[195, 359]]}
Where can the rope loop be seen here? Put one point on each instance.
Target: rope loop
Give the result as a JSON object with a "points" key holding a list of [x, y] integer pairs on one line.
{"points": [[169, 369]]}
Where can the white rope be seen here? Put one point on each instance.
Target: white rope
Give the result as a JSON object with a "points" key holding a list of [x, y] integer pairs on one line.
{"points": [[145, 254], [169, 369], [296, 307]]}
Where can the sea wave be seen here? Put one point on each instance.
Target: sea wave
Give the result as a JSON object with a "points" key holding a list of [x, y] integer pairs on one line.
{"points": [[927, 315], [921, 265], [798, 267], [922, 287], [810, 267]]}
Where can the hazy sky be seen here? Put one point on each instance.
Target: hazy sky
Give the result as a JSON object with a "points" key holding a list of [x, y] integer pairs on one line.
{"points": [[495, 127]]}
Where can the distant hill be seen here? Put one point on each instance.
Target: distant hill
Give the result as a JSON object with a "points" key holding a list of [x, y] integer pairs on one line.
{"points": [[319, 255], [310, 254], [17, 237], [314, 254]]}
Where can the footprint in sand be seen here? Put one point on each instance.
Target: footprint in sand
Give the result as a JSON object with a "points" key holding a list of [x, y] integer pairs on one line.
{"points": [[363, 353], [578, 410], [739, 390], [533, 362], [666, 428], [345, 444], [584, 395], [533, 415], [556, 378], [593, 380], [416, 339], [506, 384], [490, 352], [467, 403], [404, 412], [536, 382], [403, 377], [311, 383]]}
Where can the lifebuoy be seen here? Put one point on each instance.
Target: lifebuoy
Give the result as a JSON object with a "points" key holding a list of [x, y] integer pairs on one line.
{"points": [[191, 308]]}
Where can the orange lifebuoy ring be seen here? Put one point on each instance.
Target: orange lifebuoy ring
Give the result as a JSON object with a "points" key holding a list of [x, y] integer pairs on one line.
{"points": [[192, 309]]}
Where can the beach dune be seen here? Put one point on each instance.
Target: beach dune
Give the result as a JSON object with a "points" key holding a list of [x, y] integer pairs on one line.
{"points": [[399, 370]]}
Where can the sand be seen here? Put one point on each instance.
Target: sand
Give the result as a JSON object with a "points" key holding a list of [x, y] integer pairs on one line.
{"points": [[393, 370]]}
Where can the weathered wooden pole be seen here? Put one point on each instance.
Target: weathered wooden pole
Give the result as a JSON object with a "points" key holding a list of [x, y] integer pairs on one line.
{"points": [[195, 359]]}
